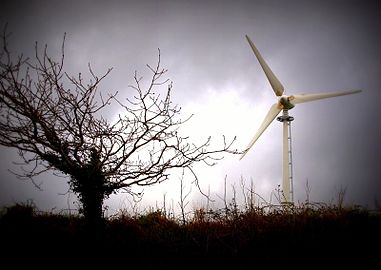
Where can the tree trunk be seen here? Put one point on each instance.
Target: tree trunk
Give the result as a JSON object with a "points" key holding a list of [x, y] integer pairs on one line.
{"points": [[90, 184], [92, 204], [91, 192]]}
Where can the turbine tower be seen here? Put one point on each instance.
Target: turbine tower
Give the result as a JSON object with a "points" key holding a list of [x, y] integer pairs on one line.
{"points": [[284, 103]]}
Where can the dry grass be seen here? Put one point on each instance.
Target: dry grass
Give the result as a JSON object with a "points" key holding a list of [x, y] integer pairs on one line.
{"points": [[215, 238]]}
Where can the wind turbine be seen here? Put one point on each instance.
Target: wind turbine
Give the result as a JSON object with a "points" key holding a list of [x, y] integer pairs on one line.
{"points": [[284, 103]]}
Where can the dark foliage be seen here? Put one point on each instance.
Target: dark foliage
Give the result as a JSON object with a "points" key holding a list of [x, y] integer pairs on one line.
{"points": [[305, 238]]}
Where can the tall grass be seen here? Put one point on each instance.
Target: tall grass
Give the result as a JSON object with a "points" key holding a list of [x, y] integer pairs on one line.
{"points": [[232, 236], [249, 234]]}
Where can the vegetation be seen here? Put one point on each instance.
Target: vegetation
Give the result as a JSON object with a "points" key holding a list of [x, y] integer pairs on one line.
{"points": [[309, 235]]}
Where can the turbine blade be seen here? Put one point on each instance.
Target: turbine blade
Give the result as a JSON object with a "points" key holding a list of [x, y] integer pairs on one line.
{"points": [[275, 83], [273, 112], [295, 99]]}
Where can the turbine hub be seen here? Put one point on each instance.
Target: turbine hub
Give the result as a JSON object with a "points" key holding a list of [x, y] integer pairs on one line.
{"points": [[285, 102]]}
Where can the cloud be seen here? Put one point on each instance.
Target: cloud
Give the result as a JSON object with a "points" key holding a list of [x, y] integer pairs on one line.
{"points": [[311, 47]]}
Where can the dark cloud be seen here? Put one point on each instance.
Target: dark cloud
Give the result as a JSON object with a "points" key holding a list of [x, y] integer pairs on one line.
{"points": [[312, 46]]}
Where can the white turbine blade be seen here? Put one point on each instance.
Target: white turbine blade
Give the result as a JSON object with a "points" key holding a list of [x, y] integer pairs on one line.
{"points": [[273, 112], [275, 83], [295, 99]]}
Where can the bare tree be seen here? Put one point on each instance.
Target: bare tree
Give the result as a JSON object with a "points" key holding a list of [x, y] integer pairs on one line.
{"points": [[55, 121]]}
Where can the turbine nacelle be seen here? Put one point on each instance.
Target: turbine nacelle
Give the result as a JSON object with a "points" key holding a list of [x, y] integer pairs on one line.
{"points": [[285, 102]]}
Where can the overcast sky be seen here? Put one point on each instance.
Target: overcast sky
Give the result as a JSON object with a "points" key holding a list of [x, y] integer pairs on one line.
{"points": [[311, 46]]}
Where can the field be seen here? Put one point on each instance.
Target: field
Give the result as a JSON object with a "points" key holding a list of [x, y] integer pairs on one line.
{"points": [[305, 236]]}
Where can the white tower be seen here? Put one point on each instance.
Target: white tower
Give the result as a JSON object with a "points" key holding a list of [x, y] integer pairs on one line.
{"points": [[287, 171]]}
